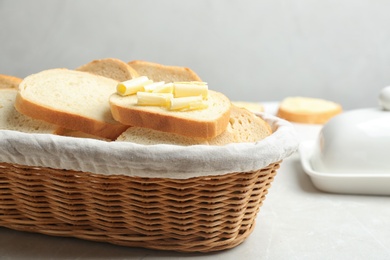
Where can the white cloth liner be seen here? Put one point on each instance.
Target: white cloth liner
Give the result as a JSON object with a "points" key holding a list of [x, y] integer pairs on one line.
{"points": [[160, 161]]}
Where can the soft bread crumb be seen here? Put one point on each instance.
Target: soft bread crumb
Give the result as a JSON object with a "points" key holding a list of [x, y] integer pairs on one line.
{"points": [[10, 119], [146, 136]]}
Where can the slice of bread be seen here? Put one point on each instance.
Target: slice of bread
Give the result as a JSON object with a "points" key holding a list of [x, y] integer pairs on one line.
{"points": [[110, 68], [10, 119], [7, 81], [203, 123], [71, 99], [166, 73], [308, 110], [243, 126], [248, 127], [147, 136]]}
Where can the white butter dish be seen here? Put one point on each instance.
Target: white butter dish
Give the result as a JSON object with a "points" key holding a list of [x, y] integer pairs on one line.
{"points": [[351, 152], [346, 183]]}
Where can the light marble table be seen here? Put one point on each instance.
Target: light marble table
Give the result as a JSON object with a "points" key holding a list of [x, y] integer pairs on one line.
{"points": [[297, 221]]}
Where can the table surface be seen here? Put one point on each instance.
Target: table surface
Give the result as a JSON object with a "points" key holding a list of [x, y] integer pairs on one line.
{"points": [[296, 221]]}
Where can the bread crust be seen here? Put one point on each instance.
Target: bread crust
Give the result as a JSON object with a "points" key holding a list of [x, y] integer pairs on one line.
{"points": [[167, 73], [7, 81], [111, 68], [167, 121]]}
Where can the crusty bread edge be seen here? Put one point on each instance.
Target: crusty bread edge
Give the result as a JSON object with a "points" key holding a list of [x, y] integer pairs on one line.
{"points": [[8, 81], [68, 120], [133, 64], [87, 67]]}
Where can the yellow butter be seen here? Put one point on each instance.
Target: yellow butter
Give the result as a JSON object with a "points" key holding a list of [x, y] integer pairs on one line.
{"points": [[187, 103], [132, 86], [152, 86], [166, 88], [192, 88], [198, 105], [154, 99]]}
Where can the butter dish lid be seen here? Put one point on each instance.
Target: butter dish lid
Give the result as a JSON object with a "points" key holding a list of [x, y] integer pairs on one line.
{"points": [[357, 141]]}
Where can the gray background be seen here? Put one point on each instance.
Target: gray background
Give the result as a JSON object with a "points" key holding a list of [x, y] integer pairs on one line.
{"points": [[254, 50]]}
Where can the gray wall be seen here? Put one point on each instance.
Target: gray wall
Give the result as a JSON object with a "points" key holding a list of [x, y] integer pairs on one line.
{"points": [[254, 50]]}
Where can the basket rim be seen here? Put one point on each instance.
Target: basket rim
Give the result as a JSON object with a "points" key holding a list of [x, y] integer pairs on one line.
{"points": [[157, 161]]}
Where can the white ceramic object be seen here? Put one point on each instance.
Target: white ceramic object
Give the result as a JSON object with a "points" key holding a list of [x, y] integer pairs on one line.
{"points": [[345, 183], [357, 141], [384, 98], [352, 151]]}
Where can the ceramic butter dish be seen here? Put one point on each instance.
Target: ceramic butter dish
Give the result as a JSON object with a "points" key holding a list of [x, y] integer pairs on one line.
{"points": [[352, 151]]}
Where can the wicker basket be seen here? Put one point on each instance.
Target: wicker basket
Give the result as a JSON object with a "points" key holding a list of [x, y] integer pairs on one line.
{"points": [[202, 199], [191, 215]]}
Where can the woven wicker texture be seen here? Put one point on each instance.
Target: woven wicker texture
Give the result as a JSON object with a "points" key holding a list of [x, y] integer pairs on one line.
{"points": [[190, 215]]}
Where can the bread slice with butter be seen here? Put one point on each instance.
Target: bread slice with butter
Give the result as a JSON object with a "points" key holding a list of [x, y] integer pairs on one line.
{"points": [[11, 119], [243, 126], [199, 123], [7, 81], [71, 99], [308, 110], [166, 73], [110, 68]]}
